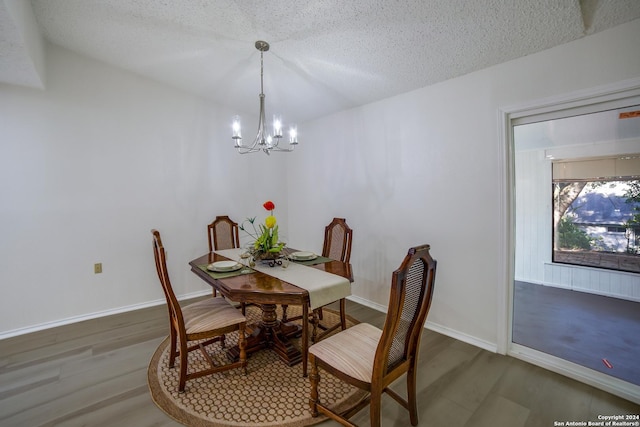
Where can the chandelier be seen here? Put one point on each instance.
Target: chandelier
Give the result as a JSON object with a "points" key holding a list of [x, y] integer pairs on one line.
{"points": [[263, 141]]}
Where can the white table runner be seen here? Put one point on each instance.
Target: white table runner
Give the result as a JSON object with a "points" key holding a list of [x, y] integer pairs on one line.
{"points": [[324, 288]]}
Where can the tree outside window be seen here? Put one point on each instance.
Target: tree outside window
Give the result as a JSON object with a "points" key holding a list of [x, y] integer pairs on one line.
{"points": [[596, 222]]}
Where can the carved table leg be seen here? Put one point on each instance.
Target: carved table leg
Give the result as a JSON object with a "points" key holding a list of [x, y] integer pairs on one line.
{"points": [[272, 333]]}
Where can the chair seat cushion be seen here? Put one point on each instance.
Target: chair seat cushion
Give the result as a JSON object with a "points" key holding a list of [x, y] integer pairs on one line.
{"points": [[351, 351], [210, 314]]}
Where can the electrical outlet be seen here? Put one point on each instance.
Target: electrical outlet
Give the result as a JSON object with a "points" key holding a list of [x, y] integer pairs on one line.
{"points": [[97, 268]]}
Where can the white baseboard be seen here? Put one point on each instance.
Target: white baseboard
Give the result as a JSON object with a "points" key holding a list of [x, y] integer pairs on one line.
{"points": [[379, 307], [485, 345], [95, 315]]}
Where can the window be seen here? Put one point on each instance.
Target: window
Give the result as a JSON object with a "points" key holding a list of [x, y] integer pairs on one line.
{"points": [[596, 212], [617, 229]]}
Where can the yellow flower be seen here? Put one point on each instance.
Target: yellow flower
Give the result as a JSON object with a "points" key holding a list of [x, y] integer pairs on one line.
{"points": [[270, 221]]}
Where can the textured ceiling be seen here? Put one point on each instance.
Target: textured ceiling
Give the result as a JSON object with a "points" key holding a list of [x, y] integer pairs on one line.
{"points": [[326, 55]]}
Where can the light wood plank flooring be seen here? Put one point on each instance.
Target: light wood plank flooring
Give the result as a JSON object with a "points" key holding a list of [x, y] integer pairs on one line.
{"points": [[93, 373], [579, 327]]}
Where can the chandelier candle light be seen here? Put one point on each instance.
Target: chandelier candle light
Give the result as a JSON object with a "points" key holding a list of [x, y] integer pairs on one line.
{"points": [[263, 141]]}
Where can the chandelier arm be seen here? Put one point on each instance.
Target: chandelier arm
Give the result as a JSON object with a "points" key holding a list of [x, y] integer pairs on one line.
{"points": [[287, 150]]}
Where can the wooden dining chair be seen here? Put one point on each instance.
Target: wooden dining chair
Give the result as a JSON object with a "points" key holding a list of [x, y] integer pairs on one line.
{"points": [[337, 240], [337, 245], [371, 359], [201, 323], [222, 234]]}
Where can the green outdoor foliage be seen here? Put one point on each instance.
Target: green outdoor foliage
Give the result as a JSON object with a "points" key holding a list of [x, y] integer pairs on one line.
{"points": [[572, 237], [633, 197]]}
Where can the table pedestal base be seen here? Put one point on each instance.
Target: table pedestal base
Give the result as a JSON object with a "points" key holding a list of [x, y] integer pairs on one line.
{"points": [[272, 334]]}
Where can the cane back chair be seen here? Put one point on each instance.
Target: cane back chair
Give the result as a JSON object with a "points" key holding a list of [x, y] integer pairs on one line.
{"points": [[370, 358], [222, 233], [337, 245], [207, 320]]}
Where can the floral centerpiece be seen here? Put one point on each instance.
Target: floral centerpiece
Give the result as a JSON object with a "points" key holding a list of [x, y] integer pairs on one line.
{"points": [[266, 245]]}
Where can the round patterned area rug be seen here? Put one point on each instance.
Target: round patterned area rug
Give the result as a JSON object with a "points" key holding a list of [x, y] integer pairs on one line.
{"points": [[271, 394]]}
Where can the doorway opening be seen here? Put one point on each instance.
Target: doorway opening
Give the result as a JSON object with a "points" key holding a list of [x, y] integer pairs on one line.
{"points": [[577, 319]]}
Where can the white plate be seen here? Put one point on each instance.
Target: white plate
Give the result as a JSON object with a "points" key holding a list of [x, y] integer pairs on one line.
{"points": [[223, 266], [303, 256]]}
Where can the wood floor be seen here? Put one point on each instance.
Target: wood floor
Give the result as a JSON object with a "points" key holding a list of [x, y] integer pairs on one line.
{"points": [[582, 328], [93, 373]]}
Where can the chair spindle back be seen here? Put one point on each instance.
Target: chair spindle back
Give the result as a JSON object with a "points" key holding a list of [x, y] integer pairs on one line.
{"points": [[337, 240], [223, 234], [411, 294], [175, 312]]}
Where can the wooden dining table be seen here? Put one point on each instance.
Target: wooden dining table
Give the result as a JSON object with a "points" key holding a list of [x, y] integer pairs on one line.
{"points": [[262, 289]]}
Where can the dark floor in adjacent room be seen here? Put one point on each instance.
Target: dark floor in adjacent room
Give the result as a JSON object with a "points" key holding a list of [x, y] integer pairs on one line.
{"points": [[587, 329]]}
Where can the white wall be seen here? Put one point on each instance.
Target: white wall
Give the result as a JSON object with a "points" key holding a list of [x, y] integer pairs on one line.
{"points": [[533, 215], [88, 166], [427, 167]]}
